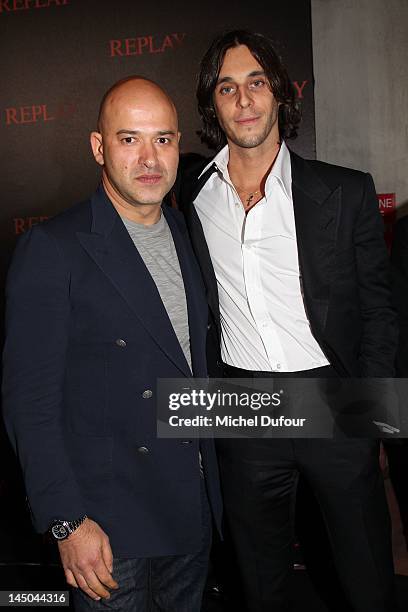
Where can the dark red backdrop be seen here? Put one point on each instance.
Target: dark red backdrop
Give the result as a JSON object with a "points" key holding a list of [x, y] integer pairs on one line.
{"points": [[57, 57]]}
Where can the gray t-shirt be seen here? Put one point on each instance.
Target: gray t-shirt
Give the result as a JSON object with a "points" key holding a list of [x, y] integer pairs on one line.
{"points": [[156, 247]]}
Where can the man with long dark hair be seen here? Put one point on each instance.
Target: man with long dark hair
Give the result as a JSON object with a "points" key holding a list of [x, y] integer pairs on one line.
{"points": [[293, 256]]}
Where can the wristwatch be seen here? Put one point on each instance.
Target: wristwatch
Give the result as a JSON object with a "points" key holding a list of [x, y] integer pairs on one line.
{"points": [[61, 529]]}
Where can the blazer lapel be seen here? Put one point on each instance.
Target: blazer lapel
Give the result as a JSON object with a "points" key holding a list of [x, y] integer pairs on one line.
{"points": [[317, 210], [195, 293], [112, 249], [200, 247]]}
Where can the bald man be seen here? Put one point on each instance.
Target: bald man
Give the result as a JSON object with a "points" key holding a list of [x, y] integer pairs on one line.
{"points": [[102, 300]]}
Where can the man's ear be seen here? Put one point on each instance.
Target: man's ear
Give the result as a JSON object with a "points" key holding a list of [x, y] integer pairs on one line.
{"points": [[97, 147]]}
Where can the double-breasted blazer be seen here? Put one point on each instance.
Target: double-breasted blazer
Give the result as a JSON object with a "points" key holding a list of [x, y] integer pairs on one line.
{"points": [[87, 337]]}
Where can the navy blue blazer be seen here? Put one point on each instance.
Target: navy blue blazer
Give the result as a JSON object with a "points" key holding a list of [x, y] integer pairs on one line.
{"points": [[86, 336]]}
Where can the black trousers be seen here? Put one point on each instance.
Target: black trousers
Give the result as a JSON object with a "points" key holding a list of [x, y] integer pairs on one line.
{"points": [[259, 478]]}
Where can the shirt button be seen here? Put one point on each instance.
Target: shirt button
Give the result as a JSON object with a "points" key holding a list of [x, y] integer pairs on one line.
{"points": [[278, 366], [143, 449], [120, 342], [147, 394]]}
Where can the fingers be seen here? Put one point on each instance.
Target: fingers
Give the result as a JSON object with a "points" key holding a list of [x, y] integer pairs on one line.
{"points": [[107, 554], [104, 576], [90, 584], [87, 559], [70, 578], [94, 580], [107, 557]]}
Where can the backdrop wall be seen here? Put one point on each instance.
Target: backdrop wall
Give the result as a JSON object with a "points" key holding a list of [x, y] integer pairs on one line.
{"points": [[57, 59], [360, 51]]}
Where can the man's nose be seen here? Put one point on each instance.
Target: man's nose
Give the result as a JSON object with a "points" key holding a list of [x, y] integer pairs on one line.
{"points": [[244, 98], [147, 155]]}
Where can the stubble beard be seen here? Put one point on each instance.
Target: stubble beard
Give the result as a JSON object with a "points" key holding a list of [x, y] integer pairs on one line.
{"points": [[248, 142], [251, 141]]}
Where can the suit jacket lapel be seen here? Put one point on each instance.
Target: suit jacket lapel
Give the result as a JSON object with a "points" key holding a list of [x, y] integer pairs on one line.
{"points": [[317, 210], [200, 247], [195, 294], [112, 249]]}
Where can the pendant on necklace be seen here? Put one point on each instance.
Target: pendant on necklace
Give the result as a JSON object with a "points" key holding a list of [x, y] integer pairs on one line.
{"points": [[248, 200]]}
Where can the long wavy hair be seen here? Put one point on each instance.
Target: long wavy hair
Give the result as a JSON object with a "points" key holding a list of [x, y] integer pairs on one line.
{"points": [[281, 86]]}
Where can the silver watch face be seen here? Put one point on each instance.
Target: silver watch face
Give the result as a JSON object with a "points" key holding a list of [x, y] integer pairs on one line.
{"points": [[59, 531]]}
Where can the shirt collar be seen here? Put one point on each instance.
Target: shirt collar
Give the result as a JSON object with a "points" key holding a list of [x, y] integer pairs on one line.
{"points": [[281, 168], [220, 160]]}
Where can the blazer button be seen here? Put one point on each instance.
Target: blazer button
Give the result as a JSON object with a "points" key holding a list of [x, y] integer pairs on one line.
{"points": [[186, 441], [143, 449], [147, 394], [120, 342]]}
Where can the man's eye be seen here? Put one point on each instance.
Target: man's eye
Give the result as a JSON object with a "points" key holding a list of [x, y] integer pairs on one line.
{"points": [[256, 84], [226, 90], [163, 140], [128, 139]]}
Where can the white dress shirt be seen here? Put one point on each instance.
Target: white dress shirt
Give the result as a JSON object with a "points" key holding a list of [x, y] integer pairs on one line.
{"points": [[255, 258]]}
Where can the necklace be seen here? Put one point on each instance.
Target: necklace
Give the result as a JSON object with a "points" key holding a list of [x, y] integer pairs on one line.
{"points": [[251, 196]]}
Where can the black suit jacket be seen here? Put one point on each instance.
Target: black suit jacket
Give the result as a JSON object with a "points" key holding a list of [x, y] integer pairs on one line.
{"points": [[399, 259], [87, 338], [344, 268]]}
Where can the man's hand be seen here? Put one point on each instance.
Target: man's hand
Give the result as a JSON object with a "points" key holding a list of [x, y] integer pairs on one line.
{"points": [[87, 559]]}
